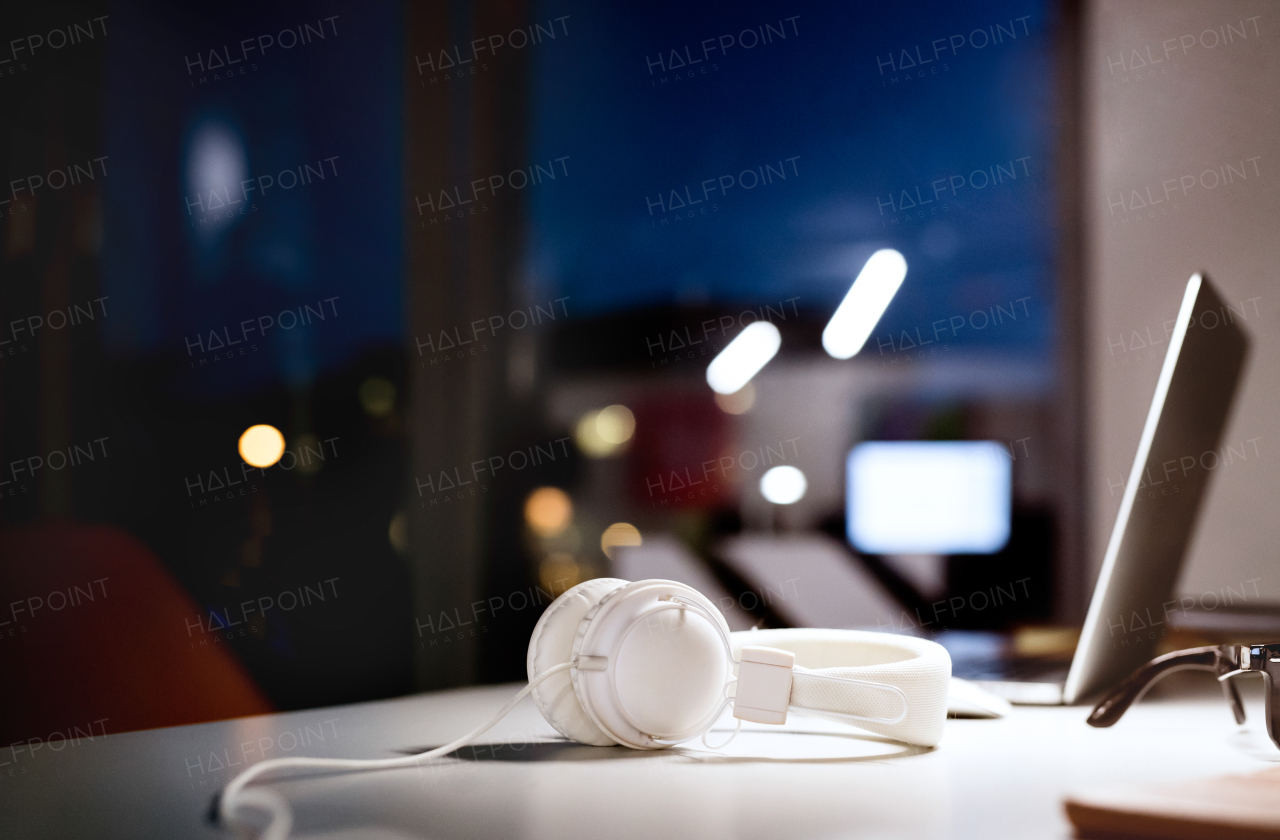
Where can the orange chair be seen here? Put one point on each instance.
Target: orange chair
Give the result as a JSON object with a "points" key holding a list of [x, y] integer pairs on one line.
{"points": [[93, 636]]}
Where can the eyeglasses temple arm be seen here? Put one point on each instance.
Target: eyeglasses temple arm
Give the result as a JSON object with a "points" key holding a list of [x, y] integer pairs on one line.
{"points": [[1233, 697], [1119, 699]]}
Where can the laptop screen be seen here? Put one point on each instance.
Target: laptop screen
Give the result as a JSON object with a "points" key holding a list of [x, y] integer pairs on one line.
{"points": [[1162, 496]]}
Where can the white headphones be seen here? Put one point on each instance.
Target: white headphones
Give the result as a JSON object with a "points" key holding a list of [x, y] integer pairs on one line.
{"points": [[650, 664]]}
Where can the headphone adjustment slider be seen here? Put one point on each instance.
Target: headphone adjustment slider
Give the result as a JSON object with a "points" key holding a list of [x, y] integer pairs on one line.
{"points": [[764, 685], [592, 663]]}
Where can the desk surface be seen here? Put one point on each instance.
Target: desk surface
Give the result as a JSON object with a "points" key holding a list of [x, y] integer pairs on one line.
{"points": [[989, 778]]}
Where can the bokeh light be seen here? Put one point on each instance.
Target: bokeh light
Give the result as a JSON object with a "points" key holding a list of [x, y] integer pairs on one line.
{"points": [[261, 445], [310, 452], [398, 533], [605, 431], [377, 396], [616, 424], [548, 511], [617, 535], [866, 300], [743, 357], [559, 572], [783, 485]]}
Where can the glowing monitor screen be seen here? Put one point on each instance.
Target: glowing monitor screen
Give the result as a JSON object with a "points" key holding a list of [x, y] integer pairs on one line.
{"points": [[926, 497]]}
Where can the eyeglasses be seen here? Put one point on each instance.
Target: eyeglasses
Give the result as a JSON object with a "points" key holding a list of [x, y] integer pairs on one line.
{"points": [[1225, 661]]}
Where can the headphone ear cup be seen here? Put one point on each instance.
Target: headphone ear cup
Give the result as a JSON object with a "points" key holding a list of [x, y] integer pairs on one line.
{"points": [[551, 645]]}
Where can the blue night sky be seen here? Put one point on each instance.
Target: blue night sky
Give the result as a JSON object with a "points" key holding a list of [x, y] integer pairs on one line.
{"points": [[822, 106]]}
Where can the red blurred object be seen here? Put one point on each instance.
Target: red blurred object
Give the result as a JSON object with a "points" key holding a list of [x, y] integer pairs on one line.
{"points": [[675, 459], [94, 637]]}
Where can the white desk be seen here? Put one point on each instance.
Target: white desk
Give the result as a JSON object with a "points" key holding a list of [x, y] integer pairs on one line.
{"points": [[989, 779]]}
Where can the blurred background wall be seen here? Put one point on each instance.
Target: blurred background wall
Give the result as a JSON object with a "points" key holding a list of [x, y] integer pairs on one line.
{"points": [[1181, 96]]}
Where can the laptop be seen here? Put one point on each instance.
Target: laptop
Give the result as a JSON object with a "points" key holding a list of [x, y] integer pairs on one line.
{"points": [[1163, 496], [1153, 529]]}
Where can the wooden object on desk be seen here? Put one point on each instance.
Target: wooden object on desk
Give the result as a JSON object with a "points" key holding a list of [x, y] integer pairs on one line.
{"points": [[1243, 807]]}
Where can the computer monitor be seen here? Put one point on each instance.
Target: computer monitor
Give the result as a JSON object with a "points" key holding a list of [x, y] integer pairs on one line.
{"points": [[929, 497]]}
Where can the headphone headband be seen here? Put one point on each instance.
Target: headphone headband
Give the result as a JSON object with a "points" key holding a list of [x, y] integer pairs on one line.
{"points": [[829, 664]]}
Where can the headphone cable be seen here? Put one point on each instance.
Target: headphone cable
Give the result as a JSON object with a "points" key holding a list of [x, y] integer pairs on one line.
{"points": [[234, 796]]}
